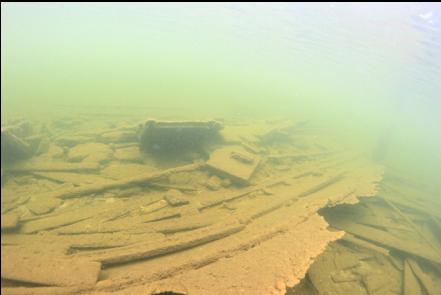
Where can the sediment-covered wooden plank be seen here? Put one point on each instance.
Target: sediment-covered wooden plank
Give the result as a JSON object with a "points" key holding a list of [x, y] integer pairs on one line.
{"points": [[29, 267], [411, 286], [9, 221], [165, 246], [52, 222], [386, 239], [138, 180], [54, 167]]}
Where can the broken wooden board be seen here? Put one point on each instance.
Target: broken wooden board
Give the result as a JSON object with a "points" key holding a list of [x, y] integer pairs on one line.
{"points": [[43, 205], [251, 132], [411, 285], [424, 279], [42, 290], [143, 179], [54, 167], [73, 178], [340, 270], [166, 245], [9, 221], [27, 267], [365, 244], [384, 238], [62, 219], [235, 162]]}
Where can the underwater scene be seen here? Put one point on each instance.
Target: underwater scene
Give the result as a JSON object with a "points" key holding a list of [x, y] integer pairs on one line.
{"points": [[221, 148]]}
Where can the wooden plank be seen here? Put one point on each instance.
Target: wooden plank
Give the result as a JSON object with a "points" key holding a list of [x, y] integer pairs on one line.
{"points": [[52, 222], [424, 279], [235, 162], [43, 205], [141, 179], [385, 239], [9, 221], [415, 228], [164, 246], [364, 244], [42, 290], [14, 204], [54, 167], [411, 285], [70, 177], [47, 270]]}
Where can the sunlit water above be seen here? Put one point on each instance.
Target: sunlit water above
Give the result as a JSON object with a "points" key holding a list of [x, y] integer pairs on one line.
{"points": [[371, 66]]}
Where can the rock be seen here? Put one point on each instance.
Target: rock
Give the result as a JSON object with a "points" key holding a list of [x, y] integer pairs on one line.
{"points": [[214, 183], [175, 198], [90, 152], [129, 154]]}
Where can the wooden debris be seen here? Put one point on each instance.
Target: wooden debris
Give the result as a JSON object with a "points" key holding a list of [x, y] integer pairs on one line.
{"points": [[214, 183], [365, 244], [230, 161], [138, 180], [42, 290], [172, 186], [411, 285], [165, 246], [129, 154], [43, 205], [384, 238], [90, 152], [416, 229], [70, 177], [72, 140], [25, 267], [9, 221], [154, 206], [175, 198], [6, 207], [54, 167], [52, 222], [425, 280], [118, 136]]}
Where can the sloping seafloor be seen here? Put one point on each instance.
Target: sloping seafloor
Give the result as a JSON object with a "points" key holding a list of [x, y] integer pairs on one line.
{"points": [[89, 213]]}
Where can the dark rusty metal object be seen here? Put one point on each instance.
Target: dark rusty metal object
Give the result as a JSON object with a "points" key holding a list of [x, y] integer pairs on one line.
{"points": [[177, 136]]}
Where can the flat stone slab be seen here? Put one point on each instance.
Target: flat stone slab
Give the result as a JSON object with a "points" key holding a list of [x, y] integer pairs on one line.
{"points": [[235, 162]]}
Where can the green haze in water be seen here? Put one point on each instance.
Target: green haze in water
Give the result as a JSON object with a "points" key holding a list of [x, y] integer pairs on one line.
{"points": [[371, 71]]}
